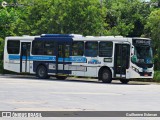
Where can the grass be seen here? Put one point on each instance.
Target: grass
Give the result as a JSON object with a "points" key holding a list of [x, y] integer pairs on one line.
{"points": [[156, 76]]}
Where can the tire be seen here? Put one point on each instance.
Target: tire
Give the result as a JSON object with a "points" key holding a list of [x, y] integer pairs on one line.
{"points": [[124, 81], [61, 77], [106, 76], [42, 72]]}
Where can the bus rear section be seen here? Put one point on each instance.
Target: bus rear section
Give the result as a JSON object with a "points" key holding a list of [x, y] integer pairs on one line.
{"points": [[17, 54]]}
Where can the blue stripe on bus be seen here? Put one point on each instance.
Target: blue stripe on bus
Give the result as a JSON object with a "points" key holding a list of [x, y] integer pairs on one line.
{"points": [[50, 58], [53, 58], [17, 57], [14, 57], [78, 59]]}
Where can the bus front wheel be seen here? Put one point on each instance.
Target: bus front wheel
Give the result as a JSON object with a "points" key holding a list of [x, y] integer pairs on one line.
{"points": [[106, 76], [42, 72]]}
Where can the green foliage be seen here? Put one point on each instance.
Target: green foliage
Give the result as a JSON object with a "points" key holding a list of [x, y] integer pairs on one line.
{"points": [[126, 18], [1, 54], [153, 27], [6, 22], [157, 76], [65, 16]]}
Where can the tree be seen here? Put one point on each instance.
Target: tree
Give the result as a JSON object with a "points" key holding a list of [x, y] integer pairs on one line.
{"points": [[153, 27], [66, 16], [126, 17], [156, 1]]}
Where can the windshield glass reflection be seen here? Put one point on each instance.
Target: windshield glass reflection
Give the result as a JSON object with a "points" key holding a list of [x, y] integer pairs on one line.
{"points": [[144, 54]]}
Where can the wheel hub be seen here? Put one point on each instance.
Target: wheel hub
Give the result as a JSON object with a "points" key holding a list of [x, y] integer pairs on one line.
{"points": [[41, 72], [105, 75]]}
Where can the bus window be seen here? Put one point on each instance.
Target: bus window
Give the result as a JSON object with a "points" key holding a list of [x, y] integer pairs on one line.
{"points": [[43, 48], [60, 50], [37, 47], [67, 50], [13, 46], [105, 49], [78, 48], [49, 48], [91, 49]]}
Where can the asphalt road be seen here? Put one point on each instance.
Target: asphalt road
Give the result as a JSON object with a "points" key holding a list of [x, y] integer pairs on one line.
{"points": [[19, 93]]}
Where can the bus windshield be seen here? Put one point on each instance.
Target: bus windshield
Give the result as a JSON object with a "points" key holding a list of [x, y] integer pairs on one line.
{"points": [[144, 54]]}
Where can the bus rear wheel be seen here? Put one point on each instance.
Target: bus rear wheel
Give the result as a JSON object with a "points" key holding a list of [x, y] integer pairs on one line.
{"points": [[106, 76], [61, 77], [42, 72], [124, 81]]}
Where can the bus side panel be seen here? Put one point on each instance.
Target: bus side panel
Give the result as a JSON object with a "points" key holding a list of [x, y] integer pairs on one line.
{"points": [[11, 61], [77, 66], [36, 64], [94, 64], [31, 67], [91, 72], [92, 69], [5, 59], [51, 67]]}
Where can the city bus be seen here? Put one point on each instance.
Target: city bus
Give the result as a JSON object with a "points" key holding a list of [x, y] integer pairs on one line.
{"points": [[61, 55]]}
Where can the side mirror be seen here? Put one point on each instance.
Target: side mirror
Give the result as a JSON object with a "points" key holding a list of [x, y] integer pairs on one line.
{"points": [[134, 58]]}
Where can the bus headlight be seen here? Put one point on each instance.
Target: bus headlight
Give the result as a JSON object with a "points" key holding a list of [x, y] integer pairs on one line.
{"points": [[135, 69]]}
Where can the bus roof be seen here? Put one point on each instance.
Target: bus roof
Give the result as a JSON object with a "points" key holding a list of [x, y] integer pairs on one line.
{"points": [[74, 37], [61, 35], [21, 37], [134, 38], [101, 38], [77, 37]]}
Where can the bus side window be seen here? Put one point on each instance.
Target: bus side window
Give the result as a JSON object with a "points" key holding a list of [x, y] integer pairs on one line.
{"points": [[49, 48], [38, 48], [91, 49], [105, 49], [78, 48], [60, 51], [13, 46], [67, 50]]}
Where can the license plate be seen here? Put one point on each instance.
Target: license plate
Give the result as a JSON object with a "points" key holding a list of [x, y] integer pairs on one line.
{"points": [[145, 75]]}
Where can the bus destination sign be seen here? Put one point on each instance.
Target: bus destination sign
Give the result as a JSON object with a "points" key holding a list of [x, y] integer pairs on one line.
{"points": [[141, 42]]}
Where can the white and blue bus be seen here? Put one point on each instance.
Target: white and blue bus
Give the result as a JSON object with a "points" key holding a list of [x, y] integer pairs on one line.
{"points": [[61, 55]]}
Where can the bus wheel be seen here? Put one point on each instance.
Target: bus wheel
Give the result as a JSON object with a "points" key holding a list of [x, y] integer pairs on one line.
{"points": [[106, 76], [61, 77], [124, 81], [41, 72]]}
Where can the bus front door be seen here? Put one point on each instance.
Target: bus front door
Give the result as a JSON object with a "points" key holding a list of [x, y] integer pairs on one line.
{"points": [[62, 58], [121, 60], [25, 57]]}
